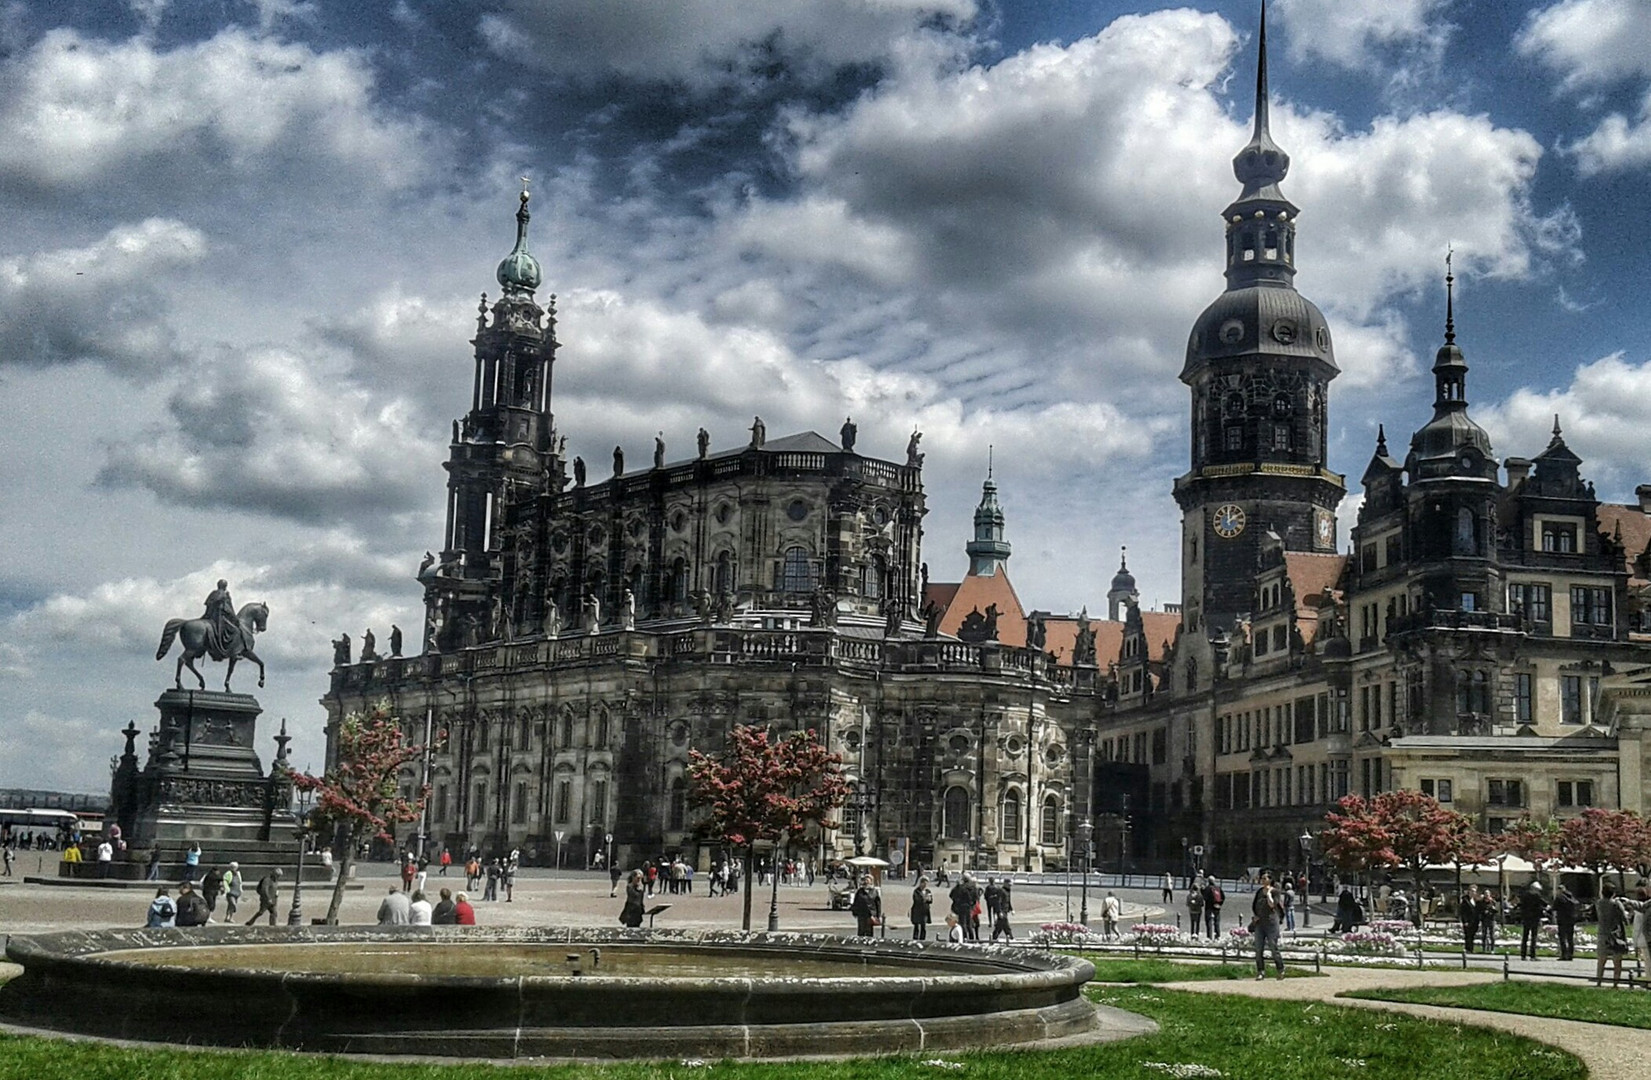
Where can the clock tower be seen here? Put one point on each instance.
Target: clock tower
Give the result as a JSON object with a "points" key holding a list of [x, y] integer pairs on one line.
{"points": [[1259, 363]]}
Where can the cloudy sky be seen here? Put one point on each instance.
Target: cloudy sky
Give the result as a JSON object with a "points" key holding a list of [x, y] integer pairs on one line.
{"points": [[245, 241]]}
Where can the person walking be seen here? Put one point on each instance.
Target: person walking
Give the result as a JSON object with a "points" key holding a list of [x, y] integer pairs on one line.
{"points": [[1289, 899], [232, 890], [1490, 913], [446, 860], [1532, 906], [1565, 912], [1195, 908], [1267, 909], [922, 907], [268, 895], [1614, 918], [1110, 910], [965, 898], [491, 892], [211, 886], [1468, 912], [867, 907], [636, 892], [1213, 899], [1005, 907], [614, 874], [1166, 886]]}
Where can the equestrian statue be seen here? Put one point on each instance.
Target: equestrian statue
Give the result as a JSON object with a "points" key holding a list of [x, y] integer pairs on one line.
{"points": [[221, 633]]}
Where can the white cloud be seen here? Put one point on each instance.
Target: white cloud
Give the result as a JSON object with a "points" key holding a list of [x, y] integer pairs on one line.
{"points": [[1593, 44], [279, 432], [99, 302], [1358, 34], [78, 111], [703, 44], [1604, 410]]}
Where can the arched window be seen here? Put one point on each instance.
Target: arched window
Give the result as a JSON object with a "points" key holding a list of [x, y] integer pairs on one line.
{"points": [[567, 730], [796, 571], [678, 819], [872, 580], [602, 731], [676, 587], [723, 579], [637, 582], [1009, 832], [956, 810], [1050, 827]]}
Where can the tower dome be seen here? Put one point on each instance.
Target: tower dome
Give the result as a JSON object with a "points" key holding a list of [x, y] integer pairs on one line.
{"points": [[519, 271], [1450, 444]]}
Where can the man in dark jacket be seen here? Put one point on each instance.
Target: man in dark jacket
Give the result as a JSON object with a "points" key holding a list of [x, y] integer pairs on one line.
{"points": [[1565, 911], [965, 897], [211, 886], [192, 910], [267, 896], [1532, 906], [444, 913], [1213, 899]]}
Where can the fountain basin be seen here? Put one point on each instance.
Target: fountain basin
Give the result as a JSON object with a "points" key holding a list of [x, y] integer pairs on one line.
{"points": [[513, 992]]}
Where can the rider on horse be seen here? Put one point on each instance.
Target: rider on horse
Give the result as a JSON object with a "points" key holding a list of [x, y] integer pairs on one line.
{"points": [[224, 638]]}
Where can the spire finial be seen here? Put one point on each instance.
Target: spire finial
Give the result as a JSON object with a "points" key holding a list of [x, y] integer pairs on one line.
{"points": [[1261, 92], [1123, 556], [1556, 425], [1381, 440], [988, 461], [1450, 297]]}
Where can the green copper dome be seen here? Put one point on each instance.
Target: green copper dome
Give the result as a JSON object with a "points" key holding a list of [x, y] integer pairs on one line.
{"points": [[520, 272]]}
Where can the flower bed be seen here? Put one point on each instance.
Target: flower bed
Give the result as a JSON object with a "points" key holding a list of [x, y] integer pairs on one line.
{"points": [[1370, 943]]}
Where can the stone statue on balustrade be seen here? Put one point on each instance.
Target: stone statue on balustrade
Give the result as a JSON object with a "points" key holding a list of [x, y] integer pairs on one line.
{"points": [[395, 640], [341, 651], [369, 646], [593, 613], [627, 610], [1083, 650], [553, 618], [822, 607]]}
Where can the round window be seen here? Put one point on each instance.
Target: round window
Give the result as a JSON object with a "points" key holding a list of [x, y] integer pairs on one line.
{"points": [[959, 744], [880, 515], [1012, 745], [724, 512], [1053, 753], [851, 738], [797, 510]]}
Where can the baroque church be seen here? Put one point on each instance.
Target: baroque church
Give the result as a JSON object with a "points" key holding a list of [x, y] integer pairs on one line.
{"points": [[1478, 639]]}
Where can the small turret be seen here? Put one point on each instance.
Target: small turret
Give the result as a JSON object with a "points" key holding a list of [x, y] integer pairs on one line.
{"points": [[988, 550]]}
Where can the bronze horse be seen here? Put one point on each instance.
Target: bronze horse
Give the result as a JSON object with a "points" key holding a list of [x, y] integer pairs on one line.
{"points": [[197, 640]]}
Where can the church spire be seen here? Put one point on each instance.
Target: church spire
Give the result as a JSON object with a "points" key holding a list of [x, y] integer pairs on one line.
{"points": [[988, 550], [519, 272], [1450, 367]]}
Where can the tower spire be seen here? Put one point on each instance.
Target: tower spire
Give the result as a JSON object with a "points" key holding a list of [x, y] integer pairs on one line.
{"points": [[1381, 440], [1450, 298], [1261, 91]]}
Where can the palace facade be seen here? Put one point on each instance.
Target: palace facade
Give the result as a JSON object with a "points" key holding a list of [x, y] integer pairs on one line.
{"points": [[1478, 639]]}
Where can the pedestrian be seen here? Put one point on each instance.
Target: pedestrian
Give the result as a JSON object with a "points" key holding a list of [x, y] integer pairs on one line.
{"points": [[105, 858], [1195, 908], [408, 870], [1468, 912], [1565, 912], [1348, 916], [1614, 917], [6, 854], [614, 874], [423, 874], [954, 929], [446, 860], [152, 872], [1166, 886], [867, 907], [463, 913], [1266, 909], [1490, 912], [1532, 906], [922, 904], [211, 886], [444, 913], [232, 890], [192, 861], [1213, 899], [268, 894], [191, 908], [162, 911], [472, 872], [493, 872], [636, 891], [394, 909], [1006, 906], [507, 878], [965, 898], [419, 911], [1289, 899], [1641, 931], [1110, 910], [992, 896]]}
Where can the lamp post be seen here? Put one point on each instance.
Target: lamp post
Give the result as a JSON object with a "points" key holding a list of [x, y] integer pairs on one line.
{"points": [[1307, 876], [1085, 831], [774, 888], [295, 917]]}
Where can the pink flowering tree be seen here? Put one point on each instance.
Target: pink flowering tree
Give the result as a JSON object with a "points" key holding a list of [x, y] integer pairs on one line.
{"points": [[360, 796], [765, 789], [1402, 828], [1605, 840]]}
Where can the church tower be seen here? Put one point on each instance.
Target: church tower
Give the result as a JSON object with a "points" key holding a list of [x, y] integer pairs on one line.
{"points": [[503, 452], [1259, 364], [988, 550]]}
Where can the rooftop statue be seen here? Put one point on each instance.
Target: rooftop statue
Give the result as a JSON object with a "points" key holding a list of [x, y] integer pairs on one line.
{"points": [[221, 633]]}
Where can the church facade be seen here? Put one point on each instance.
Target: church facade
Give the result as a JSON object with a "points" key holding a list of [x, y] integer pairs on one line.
{"points": [[1476, 638]]}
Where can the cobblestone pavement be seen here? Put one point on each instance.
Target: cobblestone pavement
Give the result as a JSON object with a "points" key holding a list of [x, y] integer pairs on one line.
{"points": [[1611, 1053]]}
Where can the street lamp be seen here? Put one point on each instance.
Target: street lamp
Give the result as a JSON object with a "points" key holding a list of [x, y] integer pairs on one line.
{"points": [[1085, 831], [773, 888], [295, 917], [1307, 876]]}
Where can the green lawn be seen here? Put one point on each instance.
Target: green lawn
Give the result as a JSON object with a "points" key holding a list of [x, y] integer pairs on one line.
{"points": [[1232, 1036], [1591, 1004], [1146, 970]]}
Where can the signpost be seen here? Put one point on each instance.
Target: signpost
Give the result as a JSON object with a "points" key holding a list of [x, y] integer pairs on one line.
{"points": [[561, 834], [609, 840]]}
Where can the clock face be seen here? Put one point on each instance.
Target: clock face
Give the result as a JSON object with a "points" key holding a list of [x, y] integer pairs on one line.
{"points": [[1229, 521]]}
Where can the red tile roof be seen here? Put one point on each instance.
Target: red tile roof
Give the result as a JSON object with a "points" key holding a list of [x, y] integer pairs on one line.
{"points": [[1636, 533]]}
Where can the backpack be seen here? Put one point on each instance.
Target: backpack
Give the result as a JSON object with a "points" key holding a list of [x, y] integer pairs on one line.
{"points": [[1217, 897]]}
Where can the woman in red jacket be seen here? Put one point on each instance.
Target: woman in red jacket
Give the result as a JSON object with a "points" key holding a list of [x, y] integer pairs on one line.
{"points": [[463, 913]]}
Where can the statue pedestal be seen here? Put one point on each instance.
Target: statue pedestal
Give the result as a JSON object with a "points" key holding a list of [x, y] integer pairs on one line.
{"points": [[203, 783]]}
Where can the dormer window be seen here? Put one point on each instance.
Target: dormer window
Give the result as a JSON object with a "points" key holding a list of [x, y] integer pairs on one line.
{"points": [[1560, 537]]}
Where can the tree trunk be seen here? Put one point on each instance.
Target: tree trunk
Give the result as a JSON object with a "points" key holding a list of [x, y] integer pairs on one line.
{"points": [[750, 886], [342, 867]]}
